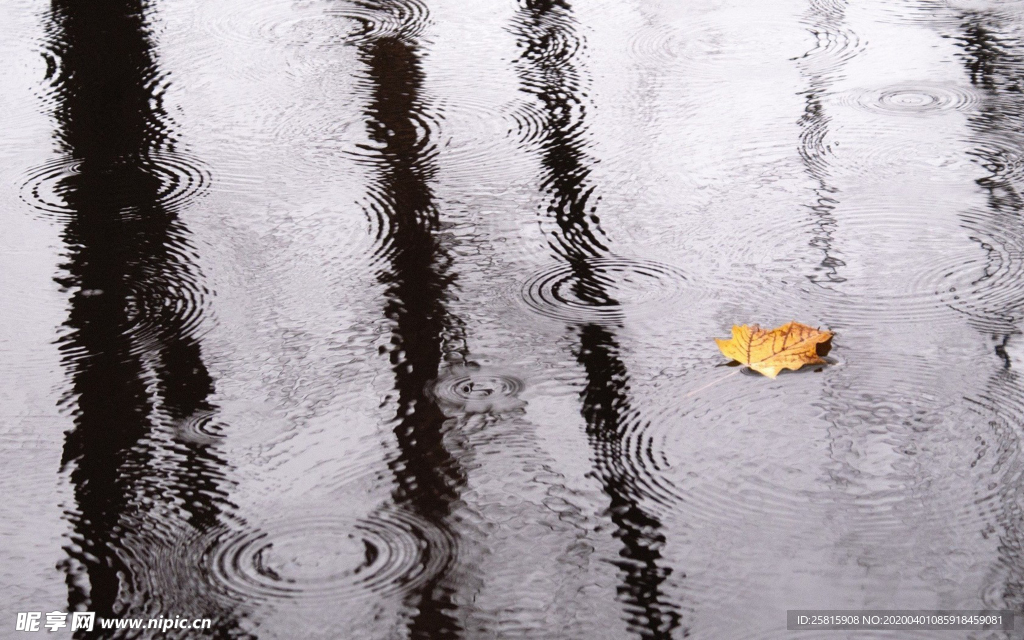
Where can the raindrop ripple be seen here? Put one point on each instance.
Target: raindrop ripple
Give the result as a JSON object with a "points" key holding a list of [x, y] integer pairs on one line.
{"points": [[328, 559], [601, 289]]}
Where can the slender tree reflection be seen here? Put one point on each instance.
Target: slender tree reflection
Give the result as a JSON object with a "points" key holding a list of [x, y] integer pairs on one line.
{"points": [[130, 346], [993, 55], [995, 61], [824, 23], [418, 284], [549, 46]]}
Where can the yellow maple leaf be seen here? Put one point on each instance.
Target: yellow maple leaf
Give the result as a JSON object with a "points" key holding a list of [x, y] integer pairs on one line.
{"points": [[790, 346]]}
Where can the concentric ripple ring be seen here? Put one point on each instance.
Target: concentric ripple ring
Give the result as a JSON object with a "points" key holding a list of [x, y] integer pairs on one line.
{"points": [[601, 289], [912, 100], [478, 390], [325, 558], [178, 179]]}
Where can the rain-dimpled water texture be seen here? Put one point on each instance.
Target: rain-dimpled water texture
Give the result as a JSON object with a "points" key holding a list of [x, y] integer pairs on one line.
{"points": [[394, 318]]}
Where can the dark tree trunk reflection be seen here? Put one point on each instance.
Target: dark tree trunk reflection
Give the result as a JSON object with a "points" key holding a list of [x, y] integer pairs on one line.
{"points": [[549, 47], [418, 285], [993, 56], [815, 126], [130, 346]]}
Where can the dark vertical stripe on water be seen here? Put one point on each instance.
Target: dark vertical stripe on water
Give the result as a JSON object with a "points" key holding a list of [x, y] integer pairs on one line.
{"points": [[548, 44], [129, 346], [996, 65], [993, 55], [418, 284], [814, 152], [994, 60], [606, 403]]}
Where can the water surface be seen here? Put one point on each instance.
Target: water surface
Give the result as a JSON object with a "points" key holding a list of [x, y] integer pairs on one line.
{"points": [[394, 318]]}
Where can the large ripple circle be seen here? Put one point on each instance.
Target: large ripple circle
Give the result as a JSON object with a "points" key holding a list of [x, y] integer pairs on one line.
{"points": [[601, 289], [179, 179], [319, 25], [912, 100], [327, 559]]}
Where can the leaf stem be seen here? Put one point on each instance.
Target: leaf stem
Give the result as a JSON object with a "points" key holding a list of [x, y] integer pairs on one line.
{"points": [[714, 382]]}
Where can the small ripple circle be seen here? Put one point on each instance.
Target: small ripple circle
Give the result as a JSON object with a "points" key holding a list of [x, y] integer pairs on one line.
{"points": [[478, 390]]}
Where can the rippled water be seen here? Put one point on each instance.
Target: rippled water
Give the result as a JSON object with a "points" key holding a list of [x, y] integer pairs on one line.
{"points": [[394, 318]]}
